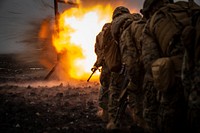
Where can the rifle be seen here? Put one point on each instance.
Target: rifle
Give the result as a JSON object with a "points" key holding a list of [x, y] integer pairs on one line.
{"points": [[91, 75], [123, 101]]}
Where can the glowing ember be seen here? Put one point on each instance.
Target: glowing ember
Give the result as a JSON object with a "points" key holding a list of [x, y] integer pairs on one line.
{"points": [[75, 40]]}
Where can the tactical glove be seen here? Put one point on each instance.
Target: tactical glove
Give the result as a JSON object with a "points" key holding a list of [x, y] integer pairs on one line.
{"points": [[94, 68]]}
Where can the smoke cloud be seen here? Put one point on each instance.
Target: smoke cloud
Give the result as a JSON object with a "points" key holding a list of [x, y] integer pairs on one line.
{"points": [[16, 16]]}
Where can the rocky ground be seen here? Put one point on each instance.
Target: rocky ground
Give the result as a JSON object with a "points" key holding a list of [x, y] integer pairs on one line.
{"points": [[28, 104]]}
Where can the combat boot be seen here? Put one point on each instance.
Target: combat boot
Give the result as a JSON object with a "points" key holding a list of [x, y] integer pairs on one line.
{"points": [[103, 114], [113, 124]]}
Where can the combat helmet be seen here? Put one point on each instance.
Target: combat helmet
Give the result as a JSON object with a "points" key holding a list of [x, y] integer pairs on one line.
{"points": [[119, 11], [105, 26], [149, 3]]}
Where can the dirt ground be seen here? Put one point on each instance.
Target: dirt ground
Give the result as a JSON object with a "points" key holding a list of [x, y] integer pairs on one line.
{"points": [[28, 104]]}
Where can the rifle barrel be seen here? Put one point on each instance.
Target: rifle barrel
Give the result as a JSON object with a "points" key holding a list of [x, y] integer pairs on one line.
{"points": [[90, 76]]}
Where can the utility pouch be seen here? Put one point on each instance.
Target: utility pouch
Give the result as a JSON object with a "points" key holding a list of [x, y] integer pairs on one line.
{"points": [[163, 73]]}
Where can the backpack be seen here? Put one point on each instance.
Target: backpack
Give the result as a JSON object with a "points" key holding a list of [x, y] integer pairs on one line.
{"points": [[175, 17], [120, 23], [98, 48], [130, 46], [173, 26], [136, 32], [112, 55]]}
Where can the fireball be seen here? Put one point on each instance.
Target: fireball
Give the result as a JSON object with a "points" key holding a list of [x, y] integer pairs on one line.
{"points": [[74, 38]]}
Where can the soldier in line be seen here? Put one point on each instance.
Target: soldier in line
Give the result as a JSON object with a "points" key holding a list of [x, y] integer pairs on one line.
{"points": [[162, 55], [191, 69], [105, 73], [131, 41], [126, 85], [120, 19]]}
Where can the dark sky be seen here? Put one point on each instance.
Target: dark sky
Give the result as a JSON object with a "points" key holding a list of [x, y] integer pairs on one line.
{"points": [[15, 16]]}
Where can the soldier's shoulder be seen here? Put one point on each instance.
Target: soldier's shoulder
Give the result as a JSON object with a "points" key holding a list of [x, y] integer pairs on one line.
{"points": [[136, 16], [100, 35]]}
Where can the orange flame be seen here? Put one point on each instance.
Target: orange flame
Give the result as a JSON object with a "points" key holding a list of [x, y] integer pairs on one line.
{"points": [[75, 40]]}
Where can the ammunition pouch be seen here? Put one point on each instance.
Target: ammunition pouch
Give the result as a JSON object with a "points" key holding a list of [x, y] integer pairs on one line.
{"points": [[163, 73]]}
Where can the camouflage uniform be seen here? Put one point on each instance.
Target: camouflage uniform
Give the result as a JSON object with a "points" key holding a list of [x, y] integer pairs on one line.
{"points": [[191, 82], [150, 105], [164, 108], [120, 15], [105, 73], [122, 26], [191, 72], [130, 46]]}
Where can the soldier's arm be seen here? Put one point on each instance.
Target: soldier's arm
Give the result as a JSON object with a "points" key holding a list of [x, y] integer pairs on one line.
{"points": [[98, 50], [150, 49]]}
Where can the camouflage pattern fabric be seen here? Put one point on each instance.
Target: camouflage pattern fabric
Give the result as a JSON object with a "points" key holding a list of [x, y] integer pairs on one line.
{"points": [[130, 46], [104, 88], [191, 83], [191, 72], [194, 93], [171, 107], [150, 52], [105, 73], [99, 48], [119, 24], [172, 110], [130, 54], [150, 107], [194, 101], [115, 89], [117, 78]]}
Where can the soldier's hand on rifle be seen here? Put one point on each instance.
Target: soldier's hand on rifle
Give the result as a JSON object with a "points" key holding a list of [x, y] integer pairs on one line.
{"points": [[94, 68]]}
